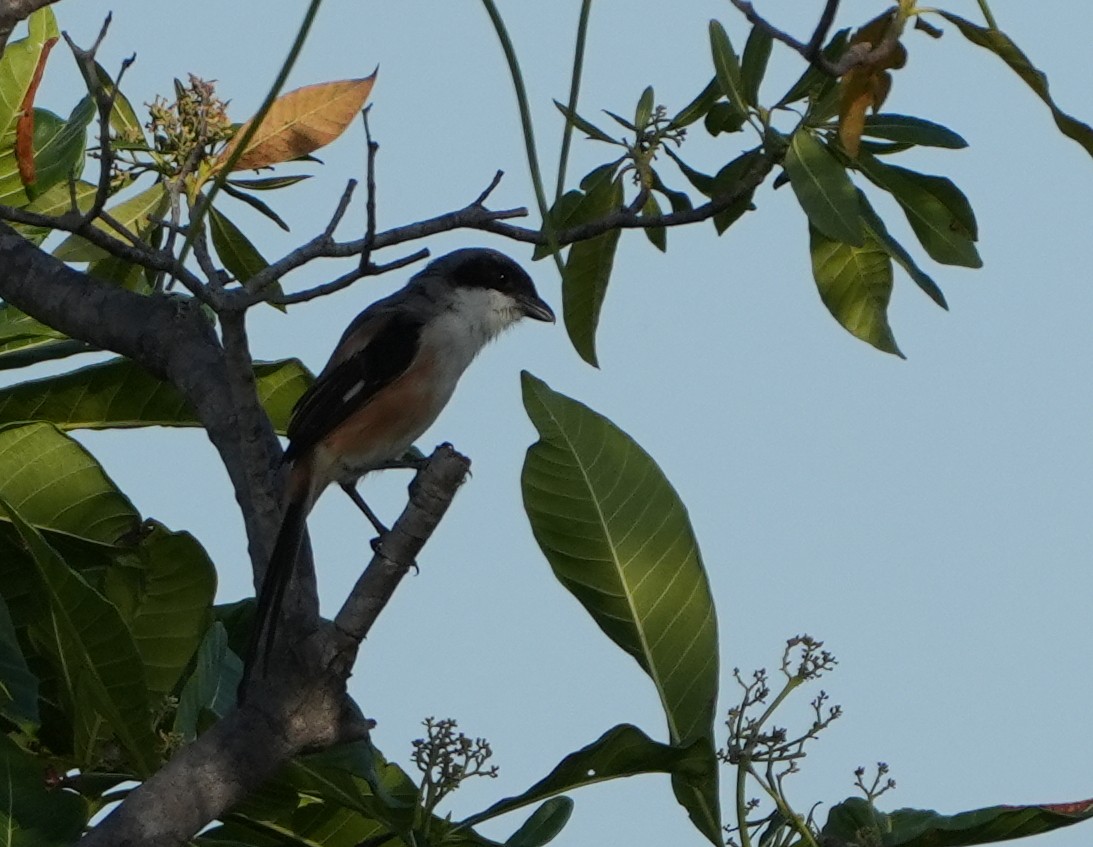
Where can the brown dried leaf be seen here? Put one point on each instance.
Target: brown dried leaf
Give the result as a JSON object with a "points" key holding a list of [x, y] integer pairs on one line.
{"points": [[866, 86], [301, 122], [24, 126]]}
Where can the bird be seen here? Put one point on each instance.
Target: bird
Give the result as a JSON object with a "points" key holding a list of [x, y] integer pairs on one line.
{"points": [[393, 371]]}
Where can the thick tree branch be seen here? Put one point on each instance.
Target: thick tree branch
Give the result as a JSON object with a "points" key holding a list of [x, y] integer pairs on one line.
{"points": [[14, 11], [431, 493]]}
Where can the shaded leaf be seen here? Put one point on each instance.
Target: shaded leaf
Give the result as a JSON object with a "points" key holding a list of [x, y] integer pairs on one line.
{"points": [[1002, 46], [300, 122], [855, 822], [240, 257], [90, 645], [937, 210], [33, 815], [269, 183], [59, 149], [726, 181], [910, 130], [813, 83], [622, 751], [123, 118], [698, 107], [727, 67], [211, 688], [643, 112], [587, 271], [256, 204], [138, 214], [618, 538], [56, 201], [121, 394], [855, 284], [823, 189], [753, 64], [544, 825], [657, 235], [18, 686], [724, 117], [876, 228], [166, 601]]}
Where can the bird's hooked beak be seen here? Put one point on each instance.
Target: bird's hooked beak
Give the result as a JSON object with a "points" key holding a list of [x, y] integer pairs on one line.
{"points": [[536, 308]]}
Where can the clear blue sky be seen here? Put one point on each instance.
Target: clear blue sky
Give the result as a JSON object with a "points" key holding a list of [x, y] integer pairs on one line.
{"points": [[929, 518]]}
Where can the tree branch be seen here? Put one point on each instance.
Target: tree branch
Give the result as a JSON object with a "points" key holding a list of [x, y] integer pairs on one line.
{"points": [[14, 11]]}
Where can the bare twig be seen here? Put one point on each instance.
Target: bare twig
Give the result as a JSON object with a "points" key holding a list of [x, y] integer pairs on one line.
{"points": [[370, 202], [346, 280], [339, 212]]}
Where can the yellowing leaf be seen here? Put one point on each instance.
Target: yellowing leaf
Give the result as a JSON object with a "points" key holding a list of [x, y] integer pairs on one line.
{"points": [[866, 86], [300, 122]]}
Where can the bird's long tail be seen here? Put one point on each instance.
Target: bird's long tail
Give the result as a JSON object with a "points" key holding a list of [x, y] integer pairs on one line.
{"points": [[279, 571]]}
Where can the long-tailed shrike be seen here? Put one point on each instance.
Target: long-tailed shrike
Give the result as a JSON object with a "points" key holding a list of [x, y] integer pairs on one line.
{"points": [[388, 378]]}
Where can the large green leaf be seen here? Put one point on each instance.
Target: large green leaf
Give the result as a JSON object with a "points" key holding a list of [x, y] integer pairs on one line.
{"points": [[93, 653], [212, 685], [18, 686], [18, 63], [56, 201], [823, 189], [31, 813], [618, 537], [235, 250], [879, 232], [59, 147], [137, 214], [753, 64], [56, 484], [909, 130], [544, 824], [121, 394], [856, 823], [937, 210], [855, 284], [727, 67], [620, 752], [587, 271], [1002, 46], [166, 600]]}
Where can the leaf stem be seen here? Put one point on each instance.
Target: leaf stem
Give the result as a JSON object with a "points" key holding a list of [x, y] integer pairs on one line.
{"points": [[987, 14], [574, 93], [525, 122]]}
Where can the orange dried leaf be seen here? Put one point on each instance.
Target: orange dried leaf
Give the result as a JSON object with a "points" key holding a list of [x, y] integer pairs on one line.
{"points": [[24, 126], [300, 122], [866, 86]]}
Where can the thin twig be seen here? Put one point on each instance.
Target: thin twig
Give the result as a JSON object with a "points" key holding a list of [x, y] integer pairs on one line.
{"points": [[484, 196], [346, 280], [370, 201], [339, 211]]}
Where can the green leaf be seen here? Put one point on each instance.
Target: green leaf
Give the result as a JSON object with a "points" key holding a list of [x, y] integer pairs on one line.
{"points": [[937, 210], [585, 126], [32, 814], [18, 63], [698, 107], [657, 235], [622, 751], [618, 537], [120, 394], [1000, 44], [212, 686], [166, 601], [137, 214], [235, 250], [18, 686], [908, 130], [727, 67], [269, 183], [823, 189], [544, 824], [726, 181], [90, 646], [59, 148], [56, 201], [855, 284], [256, 204], [587, 271], [643, 113], [724, 117], [753, 65], [679, 201], [123, 118], [57, 485], [876, 228], [856, 822]]}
